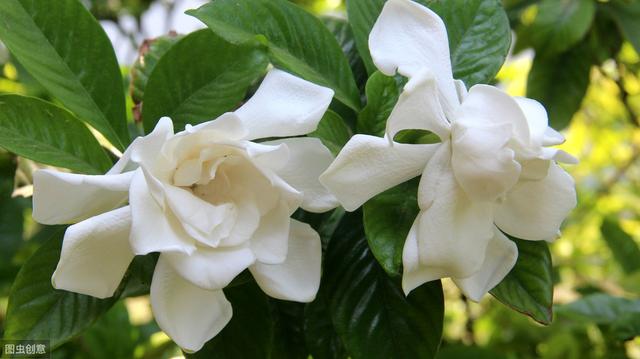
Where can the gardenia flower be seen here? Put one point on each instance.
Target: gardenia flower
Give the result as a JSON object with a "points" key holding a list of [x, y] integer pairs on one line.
{"points": [[491, 173], [213, 204]]}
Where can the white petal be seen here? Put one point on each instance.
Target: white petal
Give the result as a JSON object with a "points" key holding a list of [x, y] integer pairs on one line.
{"points": [[368, 165], [190, 315], [95, 254], [414, 275], [453, 231], [537, 119], [500, 257], [483, 165], [211, 268], [228, 124], [60, 198], [269, 242], [284, 105], [269, 154], [488, 105], [410, 38], [419, 108], [152, 228], [308, 158], [298, 278], [534, 210]]}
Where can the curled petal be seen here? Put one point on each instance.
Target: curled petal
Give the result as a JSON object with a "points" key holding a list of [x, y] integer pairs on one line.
{"points": [[152, 228], [269, 241], [368, 165], [145, 149], [453, 231], [283, 106], [535, 209], [410, 38], [419, 108], [60, 198], [308, 159], [190, 315], [95, 254], [298, 277], [499, 259], [210, 268]]}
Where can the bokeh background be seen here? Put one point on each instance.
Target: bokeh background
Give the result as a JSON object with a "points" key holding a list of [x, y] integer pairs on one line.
{"points": [[592, 91]]}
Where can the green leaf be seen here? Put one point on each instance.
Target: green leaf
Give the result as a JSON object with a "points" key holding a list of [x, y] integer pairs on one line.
{"points": [[528, 288], [332, 131], [37, 311], [599, 308], [362, 15], [297, 41], [289, 338], [479, 37], [150, 53], [626, 15], [137, 279], [625, 250], [342, 31], [200, 78], [628, 327], [249, 334], [45, 133], [370, 312], [462, 351], [66, 50], [479, 34], [388, 217], [560, 83], [11, 214], [321, 337], [112, 336], [559, 25], [382, 95]]}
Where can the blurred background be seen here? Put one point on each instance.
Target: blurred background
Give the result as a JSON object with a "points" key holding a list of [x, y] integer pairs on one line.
{"points": [[591, 86]]}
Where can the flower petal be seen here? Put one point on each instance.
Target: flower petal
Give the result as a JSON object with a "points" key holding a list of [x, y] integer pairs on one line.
{"points": [[269, 242], [284, 105], [190, 315], [534, 210], [368, 165], [500, 257], [308, 158], [483, 165], [228, 124], [60, 198], [145, 148], [419, 108], [452, 229], [152, 228], [410, 38], [95, 254], [297, 278], [210, 268]]}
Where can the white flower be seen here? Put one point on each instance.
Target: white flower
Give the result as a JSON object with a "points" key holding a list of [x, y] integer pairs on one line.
{"points": [[491, 172], [210, 201]]}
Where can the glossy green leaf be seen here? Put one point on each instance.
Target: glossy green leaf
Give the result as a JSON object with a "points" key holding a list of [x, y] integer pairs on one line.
{"points": [[37, 311], [627, 327], [332, 131], [297, 40], [528, 288], [342, 31], [11, 214], [45, 133], [370, 312], [599, 308], [625, 250], [479, 34], [66, 50], [388, 217], [559, 25], [322, 340], [479, 37], [112, 336], [137, 279], [560, 83], [200, 78], [150, 53], [626, 15], [382, 95], [289, 339], [249, 333]]}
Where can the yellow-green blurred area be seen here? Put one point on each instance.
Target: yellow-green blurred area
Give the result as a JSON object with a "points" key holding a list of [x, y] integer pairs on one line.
{"points": [[604, 135]]}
